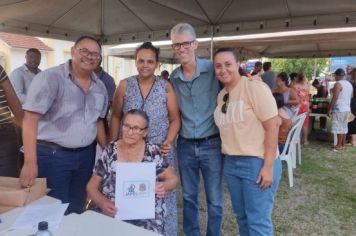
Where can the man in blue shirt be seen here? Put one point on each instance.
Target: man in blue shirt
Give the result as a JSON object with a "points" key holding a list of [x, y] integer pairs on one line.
{"points": [[198, 145], [62, 118], [110, 88]]}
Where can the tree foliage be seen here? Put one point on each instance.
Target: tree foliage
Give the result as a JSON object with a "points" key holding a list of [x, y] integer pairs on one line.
{"points": [[301, 65]]}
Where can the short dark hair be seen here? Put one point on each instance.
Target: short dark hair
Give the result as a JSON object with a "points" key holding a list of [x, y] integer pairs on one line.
{"points": [[315, 82], [81, 38], [267, 65], [258, 63], [34, 50], [279, 99], [293, 75], [137, 112], [284, 77], [165, 72], [233, 51], [148, 45]]}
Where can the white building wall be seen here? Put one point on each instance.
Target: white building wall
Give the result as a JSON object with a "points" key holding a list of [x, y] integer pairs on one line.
{"points": [[61, 51]]}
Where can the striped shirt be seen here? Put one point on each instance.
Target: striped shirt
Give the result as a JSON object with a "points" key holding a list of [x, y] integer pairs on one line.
{"points": [[5, 113]]}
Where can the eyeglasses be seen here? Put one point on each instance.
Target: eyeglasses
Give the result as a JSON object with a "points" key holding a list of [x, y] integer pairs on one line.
{"points": [[86, 53], [226, 102], [185, 45], [134, 129]]}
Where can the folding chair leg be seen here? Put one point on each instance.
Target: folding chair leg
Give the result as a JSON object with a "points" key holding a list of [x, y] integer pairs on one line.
{"points": [[293, 153], [299, 154], [290, 174]]}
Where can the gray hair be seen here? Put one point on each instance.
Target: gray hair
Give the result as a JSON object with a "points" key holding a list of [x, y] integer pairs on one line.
{"points": [[183, 28], [137, 112]]}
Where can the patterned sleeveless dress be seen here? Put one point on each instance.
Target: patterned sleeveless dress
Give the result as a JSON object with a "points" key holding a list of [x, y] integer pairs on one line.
{"points": [[155, 105], [303, 95]]}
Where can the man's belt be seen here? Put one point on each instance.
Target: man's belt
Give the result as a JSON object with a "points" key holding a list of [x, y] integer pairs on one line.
{"points": [[59, 147]]}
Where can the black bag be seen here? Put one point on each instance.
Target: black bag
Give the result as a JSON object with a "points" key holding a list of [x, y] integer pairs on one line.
{"points": [[353, 106]]}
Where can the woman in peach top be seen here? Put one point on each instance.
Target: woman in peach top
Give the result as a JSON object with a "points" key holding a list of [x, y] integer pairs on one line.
{"points": [[247, 118]]}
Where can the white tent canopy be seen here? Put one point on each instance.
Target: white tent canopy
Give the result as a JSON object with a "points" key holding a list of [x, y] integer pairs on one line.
{"points": [[298, 44], [122, 21]]}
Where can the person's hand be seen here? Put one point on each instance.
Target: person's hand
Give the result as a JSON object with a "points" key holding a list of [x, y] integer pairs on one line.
{"points": [[108, 207], [329, 113], [265, 177], [28, 174], [160, 190], [165, 148]]}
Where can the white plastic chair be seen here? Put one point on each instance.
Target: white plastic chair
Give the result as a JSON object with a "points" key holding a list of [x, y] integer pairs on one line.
{"points": [[288, 153], [296, 143]]}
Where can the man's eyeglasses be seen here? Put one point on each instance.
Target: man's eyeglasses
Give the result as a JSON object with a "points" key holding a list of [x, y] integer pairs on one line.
{"points": [[185, 45], [134, 129], [226, 102], [86, 53]]}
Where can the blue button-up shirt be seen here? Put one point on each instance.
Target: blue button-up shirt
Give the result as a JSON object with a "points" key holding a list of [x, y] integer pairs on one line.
{"points": [[109, 83], [69, 115], [197, 100]]}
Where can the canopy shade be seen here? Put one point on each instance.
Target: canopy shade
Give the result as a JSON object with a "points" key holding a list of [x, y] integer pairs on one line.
{"points": [[122, 21], [292, 46]]}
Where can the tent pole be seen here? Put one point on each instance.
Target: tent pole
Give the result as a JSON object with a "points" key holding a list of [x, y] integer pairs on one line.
{"points": [[212, 43], [315, 67]]}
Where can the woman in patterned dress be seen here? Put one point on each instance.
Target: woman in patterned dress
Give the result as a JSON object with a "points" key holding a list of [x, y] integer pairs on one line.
{"points": [[302, 90], [132, 147], [157, 98]]}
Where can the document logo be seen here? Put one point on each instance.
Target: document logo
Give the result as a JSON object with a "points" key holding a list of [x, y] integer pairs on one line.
{"points": [[136, 188]]}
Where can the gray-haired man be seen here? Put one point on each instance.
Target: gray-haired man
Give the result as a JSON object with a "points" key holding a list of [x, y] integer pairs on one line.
{"points": [[198, 145]]}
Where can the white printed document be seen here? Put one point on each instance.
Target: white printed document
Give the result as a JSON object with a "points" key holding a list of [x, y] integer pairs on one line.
{"points": [[135, 190], [33, 214]]}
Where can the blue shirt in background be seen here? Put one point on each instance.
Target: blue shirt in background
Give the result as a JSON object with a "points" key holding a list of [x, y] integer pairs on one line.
{"points": [[197, 100], [108, 82]]}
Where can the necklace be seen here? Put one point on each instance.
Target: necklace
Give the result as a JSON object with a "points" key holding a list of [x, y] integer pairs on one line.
{"points": [[144, 99]]}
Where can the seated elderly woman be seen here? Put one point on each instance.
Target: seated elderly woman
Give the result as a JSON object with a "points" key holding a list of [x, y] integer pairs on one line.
{"points": [[132, 147]]}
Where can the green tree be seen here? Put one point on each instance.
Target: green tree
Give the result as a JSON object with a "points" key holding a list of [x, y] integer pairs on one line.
{"points": [[301, 65]]}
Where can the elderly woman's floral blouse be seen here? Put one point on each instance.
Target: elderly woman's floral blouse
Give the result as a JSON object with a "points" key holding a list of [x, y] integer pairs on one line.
{"points": [[105, 168]]}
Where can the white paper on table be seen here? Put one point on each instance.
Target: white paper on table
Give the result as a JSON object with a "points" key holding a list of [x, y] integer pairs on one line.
{"points": [[135, 190], [33, 214]]}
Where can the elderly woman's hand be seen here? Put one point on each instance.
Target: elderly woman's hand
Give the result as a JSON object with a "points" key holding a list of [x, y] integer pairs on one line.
{"points": [[108, 207], [160, 190], [165, 148]]}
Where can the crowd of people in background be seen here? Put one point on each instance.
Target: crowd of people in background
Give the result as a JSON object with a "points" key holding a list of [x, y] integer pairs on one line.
{"points": [[211, 117]]}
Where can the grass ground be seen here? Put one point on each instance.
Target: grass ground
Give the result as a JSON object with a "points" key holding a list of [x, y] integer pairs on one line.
{"points": [[322, 201]]}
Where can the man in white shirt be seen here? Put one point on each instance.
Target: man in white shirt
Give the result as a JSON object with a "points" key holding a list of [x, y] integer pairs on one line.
{"points": [[339, 108], [22, 76]]}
